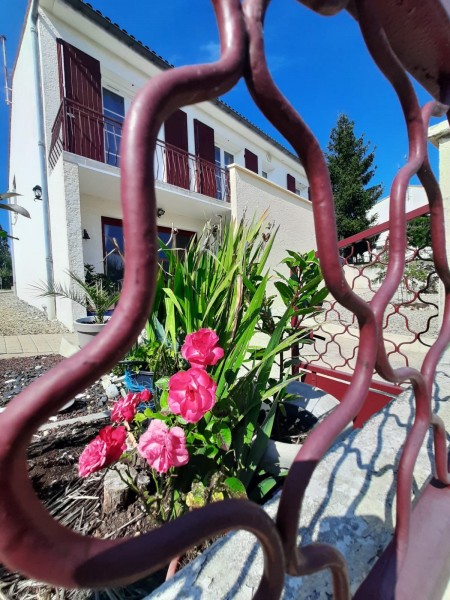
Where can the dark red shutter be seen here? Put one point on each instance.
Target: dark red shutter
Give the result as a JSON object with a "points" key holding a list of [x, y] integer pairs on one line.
{"points": [[177, 161], [80, 84], [206, 167], [309, 194], [291, 183], [251, 161]]}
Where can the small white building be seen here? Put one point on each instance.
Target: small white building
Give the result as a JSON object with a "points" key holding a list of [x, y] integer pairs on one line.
{"points": [[210, 163], [439, 136]]}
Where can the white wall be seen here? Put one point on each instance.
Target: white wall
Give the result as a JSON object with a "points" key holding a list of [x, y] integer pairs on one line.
{"points": [[29, 251], [94, 208], [252, 195], [415, 198]]}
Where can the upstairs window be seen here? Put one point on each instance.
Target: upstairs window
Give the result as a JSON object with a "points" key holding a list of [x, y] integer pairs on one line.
{"points": [[222, 160], [114, 113]]}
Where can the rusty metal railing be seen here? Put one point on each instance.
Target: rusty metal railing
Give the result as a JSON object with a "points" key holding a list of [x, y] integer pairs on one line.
{"points": [[30, 540]]}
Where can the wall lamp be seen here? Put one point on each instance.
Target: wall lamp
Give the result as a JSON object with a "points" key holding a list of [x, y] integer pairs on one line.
{"points": [[37, 192], [86, 236], [160, 212]]}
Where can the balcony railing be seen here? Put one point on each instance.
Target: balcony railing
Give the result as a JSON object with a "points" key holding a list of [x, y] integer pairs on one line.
{"points": [[88, 133]]}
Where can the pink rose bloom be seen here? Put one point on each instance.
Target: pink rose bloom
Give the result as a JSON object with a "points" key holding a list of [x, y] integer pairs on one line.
{"points": [[200, 348], [125, 408], [162, 447], [192, 394], [105, 449], [145, 395]]}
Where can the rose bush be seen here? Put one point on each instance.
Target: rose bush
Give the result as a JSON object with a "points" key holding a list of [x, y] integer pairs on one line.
{"points": [[192, 394], [125, 408], [200, 349], [103, 451], [162, 447]]}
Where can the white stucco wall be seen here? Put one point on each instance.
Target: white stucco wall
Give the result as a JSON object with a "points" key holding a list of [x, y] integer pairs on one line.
{"points": [[439, 135], [29, 251], [252, 196], [94, 208], [415, 198]]}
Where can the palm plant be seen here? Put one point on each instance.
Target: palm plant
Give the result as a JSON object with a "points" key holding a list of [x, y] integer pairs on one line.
{"points": [[96, 295], [13, 207]]}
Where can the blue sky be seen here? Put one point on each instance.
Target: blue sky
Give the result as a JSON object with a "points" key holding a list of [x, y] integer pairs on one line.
{"points": [[321, 64]]}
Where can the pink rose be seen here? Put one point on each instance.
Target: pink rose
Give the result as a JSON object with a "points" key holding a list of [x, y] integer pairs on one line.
{"points": [[105, 449], [125, 408], [145, 395], [162, 447], [192, 394], [200, 348]]}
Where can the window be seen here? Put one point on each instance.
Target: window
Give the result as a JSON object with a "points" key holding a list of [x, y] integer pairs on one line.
{"points": [[222, 160], [264, 174], [114, 112], [112, 234]]}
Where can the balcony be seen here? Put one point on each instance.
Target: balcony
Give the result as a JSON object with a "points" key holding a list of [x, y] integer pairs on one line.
{"points": [[90, 134]]}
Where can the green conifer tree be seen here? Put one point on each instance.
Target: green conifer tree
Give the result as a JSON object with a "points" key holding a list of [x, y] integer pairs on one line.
{"points": [[351, 165], [5, 259]]}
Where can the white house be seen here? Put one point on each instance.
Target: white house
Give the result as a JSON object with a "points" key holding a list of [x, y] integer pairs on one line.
{"points": [[439, 136], [75, 75], [416, 198]]}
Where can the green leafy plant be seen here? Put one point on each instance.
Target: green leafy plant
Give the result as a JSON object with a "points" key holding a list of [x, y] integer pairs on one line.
{"points": [[220, 283], [96, 294]]}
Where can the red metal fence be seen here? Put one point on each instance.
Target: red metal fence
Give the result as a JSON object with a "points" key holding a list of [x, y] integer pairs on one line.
{"points": [[410, 321], [412, 35], [91, 134]]}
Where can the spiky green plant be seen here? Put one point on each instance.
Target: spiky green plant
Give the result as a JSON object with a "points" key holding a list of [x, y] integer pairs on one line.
{"points": [[95, 297]]}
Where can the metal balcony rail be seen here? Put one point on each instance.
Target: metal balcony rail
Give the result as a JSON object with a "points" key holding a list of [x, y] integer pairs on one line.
{"points": [[88, 133], [190, 172]]}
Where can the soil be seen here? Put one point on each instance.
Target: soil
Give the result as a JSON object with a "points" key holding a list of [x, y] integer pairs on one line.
{"points": [[18, 373]]}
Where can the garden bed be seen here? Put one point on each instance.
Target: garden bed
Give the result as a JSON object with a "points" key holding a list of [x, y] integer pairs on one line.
{"points": [[77, 503]]}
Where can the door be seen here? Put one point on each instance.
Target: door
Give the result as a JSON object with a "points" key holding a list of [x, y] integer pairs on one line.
{"points": [[80, 84], [176, 150], [206, 167]]}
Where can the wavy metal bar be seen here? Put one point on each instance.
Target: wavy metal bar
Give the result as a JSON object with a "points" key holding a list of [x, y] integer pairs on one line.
{"points": [[38, 546], [417, 126], [283, 116], [31, 541]]}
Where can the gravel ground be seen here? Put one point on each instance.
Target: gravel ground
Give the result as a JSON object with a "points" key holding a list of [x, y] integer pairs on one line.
{"points": [[19, 318]]}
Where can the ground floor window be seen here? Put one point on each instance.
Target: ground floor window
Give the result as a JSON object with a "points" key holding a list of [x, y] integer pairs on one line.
{"points": [[112, 235]]}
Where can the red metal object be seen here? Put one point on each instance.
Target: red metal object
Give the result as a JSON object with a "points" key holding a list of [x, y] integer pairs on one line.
{"points": [[336, 383], [33, 543]]}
